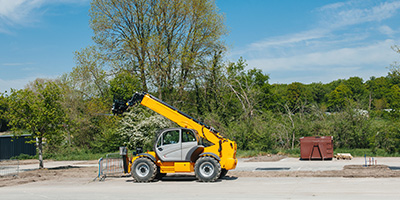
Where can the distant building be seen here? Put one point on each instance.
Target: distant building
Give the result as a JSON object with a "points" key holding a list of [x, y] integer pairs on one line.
{"points": [[14, 146]]}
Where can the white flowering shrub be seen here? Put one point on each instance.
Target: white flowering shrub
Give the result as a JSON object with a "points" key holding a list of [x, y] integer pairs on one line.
{"points": [[139, 127]]}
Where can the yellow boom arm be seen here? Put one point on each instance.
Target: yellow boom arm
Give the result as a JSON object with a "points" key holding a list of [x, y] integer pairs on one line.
{"points": [[223, 148]]}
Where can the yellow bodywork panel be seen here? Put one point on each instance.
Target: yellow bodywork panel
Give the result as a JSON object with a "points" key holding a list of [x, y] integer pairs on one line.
{"points": [[173, 167], [167, 167]]}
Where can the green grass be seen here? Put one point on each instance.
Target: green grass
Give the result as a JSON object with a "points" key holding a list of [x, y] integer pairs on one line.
{"points": [[368, 152], [251, 153], [23, 156]]}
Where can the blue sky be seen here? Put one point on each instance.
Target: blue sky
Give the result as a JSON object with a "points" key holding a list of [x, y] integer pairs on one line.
{"points": [[291, 40]]}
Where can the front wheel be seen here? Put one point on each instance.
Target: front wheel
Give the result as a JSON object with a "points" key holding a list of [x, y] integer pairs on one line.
{"points": [[143, 170], [207, 169]]}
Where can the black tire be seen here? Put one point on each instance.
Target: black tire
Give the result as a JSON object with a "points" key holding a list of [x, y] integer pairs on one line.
{"points": [[223, 173], [143, 170], [159, 176], [207, 169]]}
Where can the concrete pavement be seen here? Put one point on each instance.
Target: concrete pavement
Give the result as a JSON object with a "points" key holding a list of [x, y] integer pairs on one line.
{"points": [[294, 164], [239, 188], [187, 187]]}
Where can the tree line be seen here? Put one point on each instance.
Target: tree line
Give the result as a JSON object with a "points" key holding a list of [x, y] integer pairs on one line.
{"points": [[174, 50]]}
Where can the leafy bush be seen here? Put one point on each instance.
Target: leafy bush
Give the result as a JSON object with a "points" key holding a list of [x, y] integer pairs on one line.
{"points": [[139, 127]]}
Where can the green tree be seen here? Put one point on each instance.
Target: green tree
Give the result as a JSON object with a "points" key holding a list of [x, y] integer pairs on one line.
{"points": [[89, 76], [390, 135], [317, 92], [87, 99], [394, 98], [296, 96], [3, 109], [165, 39], [394, 73], [340, 97], [378, 89], [123, 85], [351, 128], [250, 87], [357, 87], [38, 111], [278, 98]]}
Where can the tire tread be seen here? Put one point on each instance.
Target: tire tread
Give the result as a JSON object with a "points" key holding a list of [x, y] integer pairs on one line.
{"points": [[216, 165], [153, 170]]}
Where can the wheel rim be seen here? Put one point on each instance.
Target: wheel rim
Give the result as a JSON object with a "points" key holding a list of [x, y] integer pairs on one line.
{"points": [[142, 170], [207, 169]]}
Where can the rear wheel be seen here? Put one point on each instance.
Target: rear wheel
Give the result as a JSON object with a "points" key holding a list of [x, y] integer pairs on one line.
{"points": [[143, 170], [207, 169]]}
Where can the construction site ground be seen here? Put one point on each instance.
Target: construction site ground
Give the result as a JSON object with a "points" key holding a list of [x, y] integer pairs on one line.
{"points": [[264, 177]]}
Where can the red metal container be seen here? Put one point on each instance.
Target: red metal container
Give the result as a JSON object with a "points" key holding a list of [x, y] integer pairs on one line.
{"points": [[316, 148]]}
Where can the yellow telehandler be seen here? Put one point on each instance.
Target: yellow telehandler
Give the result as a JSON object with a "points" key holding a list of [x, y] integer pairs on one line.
{"points": [[193, 147]]}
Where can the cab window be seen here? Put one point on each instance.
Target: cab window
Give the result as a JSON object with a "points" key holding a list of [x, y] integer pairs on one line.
{"points": [[171, 137], [188, 136]]}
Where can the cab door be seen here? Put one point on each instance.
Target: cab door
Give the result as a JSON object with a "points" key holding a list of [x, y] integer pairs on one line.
{"points": [[169, 145], [189, 144]]}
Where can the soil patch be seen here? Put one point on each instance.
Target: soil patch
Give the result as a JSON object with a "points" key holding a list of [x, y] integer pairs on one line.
{"points": [[49, 174], [29, 162]]}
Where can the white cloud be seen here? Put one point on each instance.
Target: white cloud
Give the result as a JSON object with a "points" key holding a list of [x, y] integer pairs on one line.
{"points": [[333, 63], [17, 13], [14, 13], [289, 39], [332, 6], [375, 53], [16, 64], [357, 12], [6, 85], [384, 29]]}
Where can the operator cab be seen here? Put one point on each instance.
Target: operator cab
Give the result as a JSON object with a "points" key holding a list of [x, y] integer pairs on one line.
{"points": [[177, 144]]}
